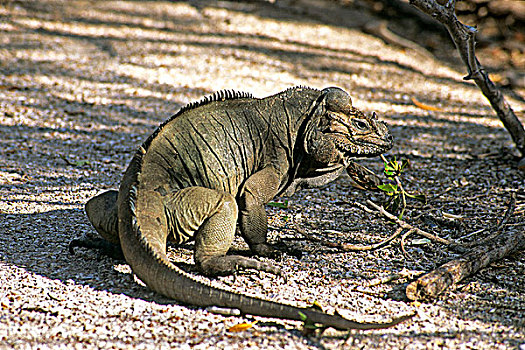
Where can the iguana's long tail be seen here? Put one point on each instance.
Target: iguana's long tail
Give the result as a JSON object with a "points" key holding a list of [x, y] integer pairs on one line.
{"points": [[151, 264]]}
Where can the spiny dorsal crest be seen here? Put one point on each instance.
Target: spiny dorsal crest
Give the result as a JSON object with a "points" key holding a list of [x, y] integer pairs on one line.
{"points": [[301, 87], [221, 95], [298, 88]]}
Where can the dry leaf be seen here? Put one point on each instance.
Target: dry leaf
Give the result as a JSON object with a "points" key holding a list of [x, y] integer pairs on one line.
{"points": [[424, 106], [415, 303], [241, 326], [496, 78]]}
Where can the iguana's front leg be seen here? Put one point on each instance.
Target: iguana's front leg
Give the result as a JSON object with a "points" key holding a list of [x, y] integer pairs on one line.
{"points": [[258, 190]]}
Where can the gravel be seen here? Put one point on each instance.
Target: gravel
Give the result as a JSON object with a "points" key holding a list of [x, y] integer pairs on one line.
{"points": [[82, 84]]}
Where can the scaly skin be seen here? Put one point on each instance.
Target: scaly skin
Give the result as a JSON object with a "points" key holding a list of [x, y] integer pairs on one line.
{"points": [[214, 165]]}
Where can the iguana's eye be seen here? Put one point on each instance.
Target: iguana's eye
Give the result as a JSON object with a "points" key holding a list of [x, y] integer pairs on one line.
{"points": [[360, 124]]}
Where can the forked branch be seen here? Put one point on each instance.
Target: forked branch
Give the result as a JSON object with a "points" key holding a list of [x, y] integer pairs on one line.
{"points": [[464, 39], [476, 255]]}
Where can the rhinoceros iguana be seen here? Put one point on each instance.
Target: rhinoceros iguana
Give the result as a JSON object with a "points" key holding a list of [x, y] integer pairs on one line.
{"points": [[214, 165]]}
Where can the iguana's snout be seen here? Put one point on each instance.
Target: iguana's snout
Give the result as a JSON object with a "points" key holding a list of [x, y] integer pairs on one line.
{"points": [[383, 137], [356, 134]]}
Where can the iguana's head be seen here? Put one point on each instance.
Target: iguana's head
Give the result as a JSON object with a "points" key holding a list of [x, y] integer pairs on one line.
{"points": [[338, 131]]}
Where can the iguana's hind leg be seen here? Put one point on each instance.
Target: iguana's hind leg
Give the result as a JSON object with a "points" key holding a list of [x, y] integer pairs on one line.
{"points": [[212, 217], [102, 212]]}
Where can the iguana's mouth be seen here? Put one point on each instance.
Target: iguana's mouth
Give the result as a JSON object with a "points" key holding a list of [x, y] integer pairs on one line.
{"points": [[351, 147]]}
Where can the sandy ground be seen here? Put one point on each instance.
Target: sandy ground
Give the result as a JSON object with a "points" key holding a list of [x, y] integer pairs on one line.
{"points": [[83, 83]]}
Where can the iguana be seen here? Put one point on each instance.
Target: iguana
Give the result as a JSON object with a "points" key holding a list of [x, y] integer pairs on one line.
{"points": [[214, 165]]}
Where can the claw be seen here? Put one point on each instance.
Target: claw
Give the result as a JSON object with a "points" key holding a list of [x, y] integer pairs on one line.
{"points": [[100, 244]]}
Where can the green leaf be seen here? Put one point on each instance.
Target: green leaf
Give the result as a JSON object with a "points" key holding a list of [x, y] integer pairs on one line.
{"points": [[394, 168], [390, 170], [81, 162], [279, 204], [308, 326], [419, 197], [77, 163], [390, 189], [303, 317]]}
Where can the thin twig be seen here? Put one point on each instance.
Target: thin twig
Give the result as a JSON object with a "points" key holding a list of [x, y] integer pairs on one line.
{"points": [[403, 239], [404, 273], [402, 223], [497, 229], [459, 246], [380, 29], [347, 247]]}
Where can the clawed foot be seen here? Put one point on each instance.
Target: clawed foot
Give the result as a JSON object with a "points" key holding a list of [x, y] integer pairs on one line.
{"points": [[274, 251], [266, 250], [104, 247]]}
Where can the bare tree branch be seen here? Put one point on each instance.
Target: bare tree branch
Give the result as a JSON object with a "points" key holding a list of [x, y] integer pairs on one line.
{"points": [[438, 280], [404, 224], [464, 38], [346, 247]]}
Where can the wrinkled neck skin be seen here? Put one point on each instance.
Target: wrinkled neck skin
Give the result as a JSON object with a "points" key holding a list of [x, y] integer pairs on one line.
{"points": [[311, 174], [291, 118]]}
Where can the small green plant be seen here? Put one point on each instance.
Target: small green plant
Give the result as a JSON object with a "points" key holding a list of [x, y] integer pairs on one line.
{"points": [[394, 189], [309, 327], [280, 205], [77, 163]]}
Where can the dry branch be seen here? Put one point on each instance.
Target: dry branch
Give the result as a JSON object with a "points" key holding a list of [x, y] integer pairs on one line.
{"points": [[435, 282], [347, 247], [404, 273], [404, 224], [496, 246], [464, 38], [486, 251], [496, 230]]}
